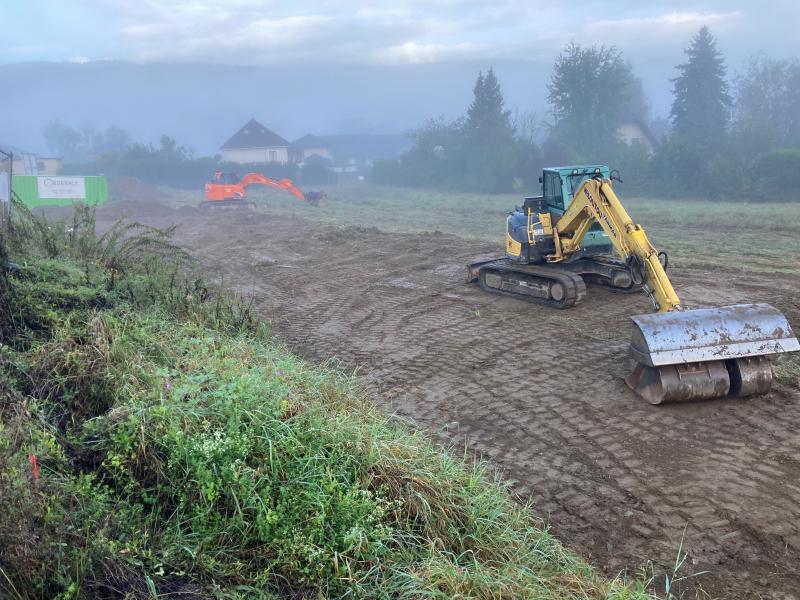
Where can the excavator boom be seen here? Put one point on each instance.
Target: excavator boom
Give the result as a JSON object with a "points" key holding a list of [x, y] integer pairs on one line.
{"points": [[227, 188], [681, 354], [280, 184], [596, 202]]}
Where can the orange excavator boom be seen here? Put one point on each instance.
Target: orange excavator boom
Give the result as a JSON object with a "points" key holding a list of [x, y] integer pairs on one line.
{"points": [[282, 184], [228, 189]]}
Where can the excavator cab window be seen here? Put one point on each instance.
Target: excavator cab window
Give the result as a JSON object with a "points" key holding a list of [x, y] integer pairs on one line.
{"points": [[551, 190], [574, 182]]}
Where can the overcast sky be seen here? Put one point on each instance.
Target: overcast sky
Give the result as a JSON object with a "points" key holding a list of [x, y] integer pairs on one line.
{"points": [[468, 34], [402, 31]]}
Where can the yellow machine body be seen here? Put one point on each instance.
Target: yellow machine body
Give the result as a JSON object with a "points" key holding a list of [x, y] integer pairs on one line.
{"points": [[680, 354]]}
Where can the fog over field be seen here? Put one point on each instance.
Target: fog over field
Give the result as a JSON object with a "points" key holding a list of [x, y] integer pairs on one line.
{"points": [[198, 71]]}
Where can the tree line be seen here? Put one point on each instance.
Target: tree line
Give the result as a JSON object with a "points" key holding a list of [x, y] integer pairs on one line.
{"points": [[722, 140], [112, 153]]}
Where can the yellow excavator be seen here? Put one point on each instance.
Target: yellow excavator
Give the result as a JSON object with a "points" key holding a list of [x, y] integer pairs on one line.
{"points": [[559, 241]]}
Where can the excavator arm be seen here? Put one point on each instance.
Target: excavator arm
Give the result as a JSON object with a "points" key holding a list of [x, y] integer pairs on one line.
{"points": [[681, 354], [596, 202], [282, 184]]}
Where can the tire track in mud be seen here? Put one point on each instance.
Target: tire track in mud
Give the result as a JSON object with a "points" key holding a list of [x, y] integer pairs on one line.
{"points": [[539, 393]]}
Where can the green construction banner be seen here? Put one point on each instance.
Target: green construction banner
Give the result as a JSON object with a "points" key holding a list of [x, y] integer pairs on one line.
{"points": [[60, 191]]}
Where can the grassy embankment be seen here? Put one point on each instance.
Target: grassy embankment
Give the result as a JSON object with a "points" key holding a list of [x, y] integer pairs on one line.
{"points": [[758, 237], [179, 450]]}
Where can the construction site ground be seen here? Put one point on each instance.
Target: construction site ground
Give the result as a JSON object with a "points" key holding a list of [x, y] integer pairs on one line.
{"points": [[536, 391]]}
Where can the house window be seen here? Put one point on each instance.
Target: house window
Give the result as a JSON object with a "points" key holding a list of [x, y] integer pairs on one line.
{"points": [[41, 166], [273, 156]]}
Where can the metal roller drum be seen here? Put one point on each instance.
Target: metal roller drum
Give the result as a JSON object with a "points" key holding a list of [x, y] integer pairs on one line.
{"points": [[707, 353]]}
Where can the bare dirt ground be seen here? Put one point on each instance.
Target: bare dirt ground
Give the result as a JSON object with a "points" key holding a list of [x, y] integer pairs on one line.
{"points": [[538, 391]]}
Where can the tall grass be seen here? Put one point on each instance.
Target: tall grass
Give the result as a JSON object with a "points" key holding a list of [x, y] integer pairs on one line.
{"points": [[181, 451]]}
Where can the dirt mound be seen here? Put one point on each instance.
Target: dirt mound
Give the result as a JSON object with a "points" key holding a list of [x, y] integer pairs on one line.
{"points": [[131, 197], [133, 190]]}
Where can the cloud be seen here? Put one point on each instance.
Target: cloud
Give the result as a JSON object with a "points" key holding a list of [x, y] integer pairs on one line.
{"points": [[395, 32], [416, 53], [259, 32], [674, 22], [25, 50]]}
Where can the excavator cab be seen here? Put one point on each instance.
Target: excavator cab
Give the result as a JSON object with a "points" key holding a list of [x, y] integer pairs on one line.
{"points": [[559, 186], [224, 178]]}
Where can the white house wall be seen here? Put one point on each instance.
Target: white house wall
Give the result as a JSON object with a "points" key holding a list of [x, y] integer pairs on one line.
{"points": [[44, 166], [256, 155], [631, 133]]}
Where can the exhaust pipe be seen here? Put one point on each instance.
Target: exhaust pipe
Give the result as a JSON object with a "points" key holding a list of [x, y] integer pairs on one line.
{"points": [[707, 353]]}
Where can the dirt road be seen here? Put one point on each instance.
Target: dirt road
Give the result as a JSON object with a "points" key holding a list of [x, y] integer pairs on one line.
{"points": [[539, 392]]}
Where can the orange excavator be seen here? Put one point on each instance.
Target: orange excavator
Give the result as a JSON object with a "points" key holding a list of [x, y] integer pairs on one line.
{"points": [[226, 189]]}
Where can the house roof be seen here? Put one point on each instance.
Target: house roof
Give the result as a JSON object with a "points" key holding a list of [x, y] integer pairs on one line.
{"points": [[18, 152], [357, 147], [316, 159], [312, 141], [254, 135]]}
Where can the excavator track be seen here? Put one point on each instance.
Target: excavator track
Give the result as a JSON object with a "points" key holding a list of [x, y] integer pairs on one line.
{"points": [[232, 204], [532, 283], [603, 271]]}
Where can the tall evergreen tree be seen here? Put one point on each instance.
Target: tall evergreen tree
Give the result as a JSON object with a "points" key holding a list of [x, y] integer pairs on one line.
{"points": [[701, 104], [486, 117], [486, 157]]}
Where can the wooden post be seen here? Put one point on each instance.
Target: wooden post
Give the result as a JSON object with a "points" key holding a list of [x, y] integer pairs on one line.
{"points": [[5, 194]]}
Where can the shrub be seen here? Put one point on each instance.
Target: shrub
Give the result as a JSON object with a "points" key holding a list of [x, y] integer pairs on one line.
{"points": [[317, 174], [774, 176]]}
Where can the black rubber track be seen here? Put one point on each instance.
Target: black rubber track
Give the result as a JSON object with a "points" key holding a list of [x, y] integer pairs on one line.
{"points": [[574, 286]]}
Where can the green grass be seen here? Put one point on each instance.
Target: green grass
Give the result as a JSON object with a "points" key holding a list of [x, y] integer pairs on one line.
{"points": [[182, 450], [758, 237]]}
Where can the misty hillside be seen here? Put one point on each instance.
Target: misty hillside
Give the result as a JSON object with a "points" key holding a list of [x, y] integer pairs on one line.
{"points": [[202, 105]]}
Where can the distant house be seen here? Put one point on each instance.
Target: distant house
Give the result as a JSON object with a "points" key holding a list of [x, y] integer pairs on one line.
{"points": [[48, 165], [313, 145], [29, 163], [254, 143], [317, 159], [351, 153], [635, 131]]}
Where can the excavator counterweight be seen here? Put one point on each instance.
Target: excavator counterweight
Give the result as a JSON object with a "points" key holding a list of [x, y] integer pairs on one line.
{"points": [[681, 354]]}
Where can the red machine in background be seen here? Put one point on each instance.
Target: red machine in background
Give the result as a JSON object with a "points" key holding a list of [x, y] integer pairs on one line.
{"points": [[226, 189]]}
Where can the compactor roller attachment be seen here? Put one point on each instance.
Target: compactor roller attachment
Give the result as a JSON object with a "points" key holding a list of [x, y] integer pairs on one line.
{"points": [[707, 353]]}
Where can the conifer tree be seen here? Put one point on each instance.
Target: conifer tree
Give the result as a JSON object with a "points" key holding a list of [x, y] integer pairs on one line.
{"points": [[486, 117], [701, 104]]}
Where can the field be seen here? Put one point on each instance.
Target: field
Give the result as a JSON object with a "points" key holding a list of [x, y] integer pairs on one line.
{"points": [[374, 279], [753, 237]]}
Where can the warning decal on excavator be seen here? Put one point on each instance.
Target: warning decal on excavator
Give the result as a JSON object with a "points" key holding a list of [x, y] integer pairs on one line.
{"points": [[513, 247], [599, 214]]}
